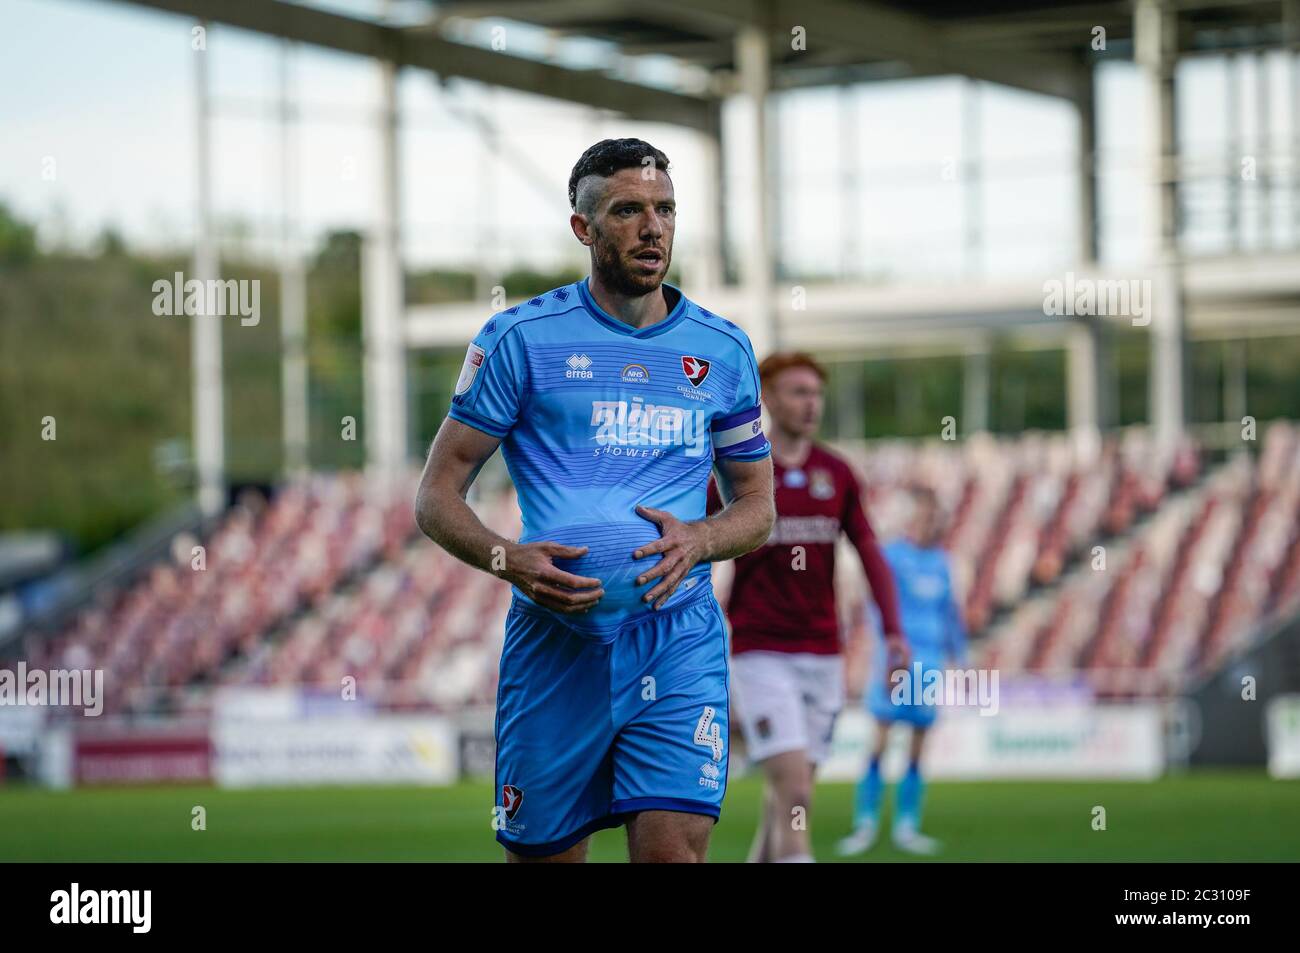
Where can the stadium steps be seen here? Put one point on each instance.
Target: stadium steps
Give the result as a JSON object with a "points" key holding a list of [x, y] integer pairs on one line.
{"points": [[1021, 638]]}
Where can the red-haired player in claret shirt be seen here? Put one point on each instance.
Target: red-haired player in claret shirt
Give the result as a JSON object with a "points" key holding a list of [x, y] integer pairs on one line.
{"points": [[787, 671]]}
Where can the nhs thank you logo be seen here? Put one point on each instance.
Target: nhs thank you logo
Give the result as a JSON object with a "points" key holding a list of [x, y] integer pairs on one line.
{"points": [[635, 374], [633, 428]]}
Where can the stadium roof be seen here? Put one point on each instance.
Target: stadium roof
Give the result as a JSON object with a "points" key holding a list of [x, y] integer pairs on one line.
{"points": [[675, 61], [1034, 45]]}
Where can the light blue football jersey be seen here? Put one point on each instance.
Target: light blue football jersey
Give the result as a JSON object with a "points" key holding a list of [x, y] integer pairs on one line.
{"points": [[931, 621], [597, 417], [927, 604]]}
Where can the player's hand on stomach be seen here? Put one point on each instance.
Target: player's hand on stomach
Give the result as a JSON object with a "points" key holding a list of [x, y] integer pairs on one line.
{"points": [[529, 566], [682, 545]]}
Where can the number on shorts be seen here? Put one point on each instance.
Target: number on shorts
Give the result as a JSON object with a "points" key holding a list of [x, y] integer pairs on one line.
{"points": [[708, 733]]}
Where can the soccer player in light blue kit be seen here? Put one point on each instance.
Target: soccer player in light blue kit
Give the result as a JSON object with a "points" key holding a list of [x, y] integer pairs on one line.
{"points": [[612, 400], [931, 618]]}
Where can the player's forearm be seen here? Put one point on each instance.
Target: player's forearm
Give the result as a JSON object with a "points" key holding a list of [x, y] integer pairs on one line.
{"points": [[445, 517], [744, 525], [881, 579]]}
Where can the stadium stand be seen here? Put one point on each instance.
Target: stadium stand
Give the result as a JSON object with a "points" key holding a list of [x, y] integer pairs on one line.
{"points": [[332, 579], [1179, 594]]}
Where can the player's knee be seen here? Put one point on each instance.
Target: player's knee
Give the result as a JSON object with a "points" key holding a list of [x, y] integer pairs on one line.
{"points": [[791, 788], [576, 854], [685, 841], [794, 795], [685, 849]]}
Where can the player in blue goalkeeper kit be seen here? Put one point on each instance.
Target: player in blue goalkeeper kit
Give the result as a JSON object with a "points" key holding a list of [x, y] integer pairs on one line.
{"points": [[932, 620], [612, 399]]}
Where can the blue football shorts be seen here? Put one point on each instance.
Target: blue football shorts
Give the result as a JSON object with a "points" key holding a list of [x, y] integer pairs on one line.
{"points": [[910, 706], [589, 733]]}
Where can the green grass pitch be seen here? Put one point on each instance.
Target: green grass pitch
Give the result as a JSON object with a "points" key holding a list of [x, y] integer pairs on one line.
{"points": [[1219, 816]]}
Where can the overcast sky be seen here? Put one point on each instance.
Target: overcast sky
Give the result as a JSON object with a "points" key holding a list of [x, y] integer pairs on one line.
{"points": [[97, 121]]}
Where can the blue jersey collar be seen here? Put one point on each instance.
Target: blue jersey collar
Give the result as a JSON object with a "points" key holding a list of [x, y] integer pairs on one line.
{"points": [[622, 327]]}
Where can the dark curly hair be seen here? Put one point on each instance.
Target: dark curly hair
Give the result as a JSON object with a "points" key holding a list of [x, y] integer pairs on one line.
{"points": [[607, 157]]}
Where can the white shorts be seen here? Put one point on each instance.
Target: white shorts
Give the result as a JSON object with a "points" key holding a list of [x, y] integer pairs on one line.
{"points": [[786, 701]]}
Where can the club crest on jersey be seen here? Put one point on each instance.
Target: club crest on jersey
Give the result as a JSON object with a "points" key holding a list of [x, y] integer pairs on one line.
{"points": [[578, 364], [820, 485], [695, 369], [511, 798], [635, 374], [473, 361]]}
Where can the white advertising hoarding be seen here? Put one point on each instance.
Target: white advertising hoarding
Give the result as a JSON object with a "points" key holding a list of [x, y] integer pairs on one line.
{"points": [[20, 728], [341, 749], [1080, 740], [1282, 730]]}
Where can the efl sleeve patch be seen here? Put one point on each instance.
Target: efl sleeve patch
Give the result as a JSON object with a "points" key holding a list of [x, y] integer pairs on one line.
{"points": [[492, 383], [739, 433], [473, 361]]}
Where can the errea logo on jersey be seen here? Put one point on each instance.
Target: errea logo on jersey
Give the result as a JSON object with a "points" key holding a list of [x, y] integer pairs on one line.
{"points": [[624, 426], [578, 364]]}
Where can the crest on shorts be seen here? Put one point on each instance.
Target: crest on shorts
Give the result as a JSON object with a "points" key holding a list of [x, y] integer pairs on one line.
{"points": [[511, 798]]}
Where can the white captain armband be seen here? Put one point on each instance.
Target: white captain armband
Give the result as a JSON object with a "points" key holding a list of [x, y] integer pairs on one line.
{"points": [[739, 433]]}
